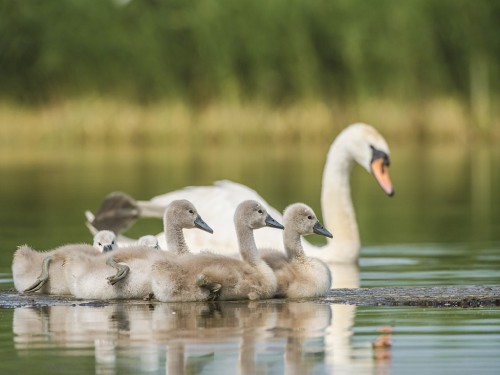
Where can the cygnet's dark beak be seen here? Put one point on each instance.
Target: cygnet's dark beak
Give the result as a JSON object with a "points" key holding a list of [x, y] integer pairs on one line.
{"points": [[199, 223], [320, 229], [107, 248], [270, 222]]}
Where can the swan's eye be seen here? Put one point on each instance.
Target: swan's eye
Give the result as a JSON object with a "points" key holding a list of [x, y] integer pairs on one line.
{"points": [[112, 242], [260, 211], [100, 244], [191, 211], [310, 217]]}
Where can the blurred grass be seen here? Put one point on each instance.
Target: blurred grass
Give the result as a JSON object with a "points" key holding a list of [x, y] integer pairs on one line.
{"points": [[110, 121], [359, 57], [181, 72]]}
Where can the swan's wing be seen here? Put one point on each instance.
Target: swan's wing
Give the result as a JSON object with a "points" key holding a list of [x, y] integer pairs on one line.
{"points": [[227, 194], [216, 204]]}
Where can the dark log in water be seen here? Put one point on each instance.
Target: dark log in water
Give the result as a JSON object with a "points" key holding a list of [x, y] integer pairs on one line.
{"points": [[438, 296]]}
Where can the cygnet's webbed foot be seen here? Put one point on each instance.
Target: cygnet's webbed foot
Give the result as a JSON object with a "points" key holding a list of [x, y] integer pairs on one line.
{"points": [[121, 271], [42, 279], [213, 288], [149, 297]]}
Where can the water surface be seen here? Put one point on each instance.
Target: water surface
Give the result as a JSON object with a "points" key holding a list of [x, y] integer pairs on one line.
{"points": [[250, 337], [441, 228]]}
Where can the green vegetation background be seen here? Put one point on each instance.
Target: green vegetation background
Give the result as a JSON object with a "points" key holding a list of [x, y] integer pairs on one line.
{"points": [[278, 53]]}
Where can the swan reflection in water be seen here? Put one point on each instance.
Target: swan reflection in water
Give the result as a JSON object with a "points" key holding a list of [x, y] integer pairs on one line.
{"points": [[180, 336], [246, 337]]}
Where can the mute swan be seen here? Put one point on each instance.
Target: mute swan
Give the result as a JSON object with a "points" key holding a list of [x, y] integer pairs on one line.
{"points": [[299, 276], [27, 262], [198, 277], [360, 143], [90, 277]]}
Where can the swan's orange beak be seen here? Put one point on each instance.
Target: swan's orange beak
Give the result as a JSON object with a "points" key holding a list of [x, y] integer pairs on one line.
{"points": [[381, 172]]}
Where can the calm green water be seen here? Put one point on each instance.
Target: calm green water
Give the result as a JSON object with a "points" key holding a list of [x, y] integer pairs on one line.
{"points": [[248, 338], [441, 228]]}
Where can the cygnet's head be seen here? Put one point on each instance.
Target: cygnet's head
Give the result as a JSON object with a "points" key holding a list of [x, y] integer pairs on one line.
{"points": [[254, 216], [149, 241], [105, 240], [301, 219], [370, 150], [182, 214]]}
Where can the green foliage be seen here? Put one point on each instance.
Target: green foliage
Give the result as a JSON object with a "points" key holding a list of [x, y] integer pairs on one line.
{"points": [[278, 51]]}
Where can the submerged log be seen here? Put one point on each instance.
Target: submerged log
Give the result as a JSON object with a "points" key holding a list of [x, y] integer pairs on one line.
{"points": [[437, 296]]}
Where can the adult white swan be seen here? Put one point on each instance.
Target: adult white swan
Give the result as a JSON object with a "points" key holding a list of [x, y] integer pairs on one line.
{"points": [[359, 143]]}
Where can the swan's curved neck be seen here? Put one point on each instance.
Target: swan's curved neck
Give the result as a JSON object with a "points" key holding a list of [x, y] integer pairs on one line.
{"points": [[337, 208], [293, 246], [175, 240], [246, 242]]}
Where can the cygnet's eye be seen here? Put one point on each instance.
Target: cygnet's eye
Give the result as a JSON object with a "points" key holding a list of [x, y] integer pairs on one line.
{"points": [[260, 211], [112, 242], [100, 244], [310, 217], [191, 211]]}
